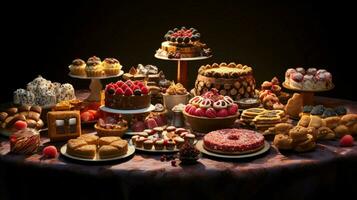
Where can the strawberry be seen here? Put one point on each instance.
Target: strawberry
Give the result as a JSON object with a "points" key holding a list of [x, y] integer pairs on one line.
{"points": [[233, 109], [134, 87], [211, 113], [109, 86], [119, 83], [192, 110], [128, 92], [222, 113], [129, 83], [50, 152], [187, 107], [145, 90], [346, 141], [119, 91], [200, 112], [20, 125], [124, 87]]}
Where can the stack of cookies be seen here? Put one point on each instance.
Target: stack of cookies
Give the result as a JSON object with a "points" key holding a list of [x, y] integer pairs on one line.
{"points": [[261, 118], [299, 138], [248, 115]]}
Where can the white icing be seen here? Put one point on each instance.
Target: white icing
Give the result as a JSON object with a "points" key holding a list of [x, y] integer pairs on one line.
{"points": [[59, 122], [72, 121]]}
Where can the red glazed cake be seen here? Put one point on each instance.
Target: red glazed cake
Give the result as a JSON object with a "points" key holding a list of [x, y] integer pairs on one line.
{"points": [[233, 141], [127, 95]]}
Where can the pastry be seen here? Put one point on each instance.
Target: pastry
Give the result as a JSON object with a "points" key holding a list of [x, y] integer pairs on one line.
{"points": [[179, 142], [25, 141], [316, 122], [282, 141], [310, 79], [298, 134], [29, 114], [280, 128], [111, 127], [127, 95], [271, 96], [159, 144], [294, 106], [107, 140], [175, 94], [63, 125], [183, 43], [307, 145], [94, 67], [78, 67], [304, 121], [325, 133], [148, 144], [111, 66], [233, 141], [89, 138], [332, 122], [116, 148], [234, 80]]}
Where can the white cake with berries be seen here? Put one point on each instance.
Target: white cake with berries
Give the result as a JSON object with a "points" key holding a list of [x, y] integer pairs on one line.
{"points": [[183, 43], [310, 79], [127, 95]]}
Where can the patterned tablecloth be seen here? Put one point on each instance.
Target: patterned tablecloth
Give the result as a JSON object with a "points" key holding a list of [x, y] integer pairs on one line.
{"points": [[329, 170]]}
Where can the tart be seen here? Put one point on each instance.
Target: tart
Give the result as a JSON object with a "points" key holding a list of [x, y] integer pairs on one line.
{"points": [[111, 127], [78, 67], [94, 67], [111, 66]]}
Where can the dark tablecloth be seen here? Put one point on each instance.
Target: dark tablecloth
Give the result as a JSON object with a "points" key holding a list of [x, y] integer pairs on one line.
{"points": [[329, 170]]}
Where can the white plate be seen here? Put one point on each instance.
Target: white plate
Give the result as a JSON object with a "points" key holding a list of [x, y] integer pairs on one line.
{"points": [[153, 150], [303, 90], [182, 59], [200, 147], [131, 151], [99, 77], [137, 111]]}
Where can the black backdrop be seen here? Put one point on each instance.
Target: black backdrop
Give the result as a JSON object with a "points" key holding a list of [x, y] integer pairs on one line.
{"points": [[43, 38]]}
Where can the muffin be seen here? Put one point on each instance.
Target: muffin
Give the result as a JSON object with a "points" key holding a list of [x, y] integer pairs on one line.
{"points": [[170, 144], [111, 66], [148, 144], [179, 142], [140, 142], [134, 138], [159, 144], [78, 67], [94, 67]]}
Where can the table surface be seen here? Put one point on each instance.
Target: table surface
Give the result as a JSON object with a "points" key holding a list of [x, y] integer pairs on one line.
{"points": [[143, 165]]}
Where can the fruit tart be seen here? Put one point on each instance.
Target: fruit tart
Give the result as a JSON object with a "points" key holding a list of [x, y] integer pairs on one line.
{"points": [[111, 126]]}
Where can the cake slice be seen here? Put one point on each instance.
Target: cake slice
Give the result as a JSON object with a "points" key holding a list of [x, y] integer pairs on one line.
{"points": [[108, 151], [89, 138], [86, 151], [107, 140]]}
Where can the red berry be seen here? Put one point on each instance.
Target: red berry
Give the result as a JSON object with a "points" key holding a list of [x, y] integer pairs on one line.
{"points": [[173, 163], [109, 86], [192, 110], [135, 87], [50, 151], [128, 92], [87, 116], [187, 107], [211, 113], [145, 90], [119, 91], [119, 83], [200, 112], [346, 141], [124, 87], [233, 109], [20, 125], [222, 113], [128, 83]]}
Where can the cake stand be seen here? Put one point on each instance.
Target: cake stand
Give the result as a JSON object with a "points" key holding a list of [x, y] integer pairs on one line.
{"points": [[95, 85], [308, 95], [182, 66]]}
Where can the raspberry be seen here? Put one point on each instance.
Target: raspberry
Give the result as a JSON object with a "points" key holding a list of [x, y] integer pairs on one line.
{"points": [[346, 141], [119, 91], [144, 90], [233, 109], [200, 112], [50, 152], [128, 92], [211, 113], [222, 113], [129, 83], [119, 83]]}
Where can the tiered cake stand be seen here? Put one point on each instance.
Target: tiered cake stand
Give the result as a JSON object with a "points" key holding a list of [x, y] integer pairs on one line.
{"points": [[308, 95], [182, 67], [95, 85]]}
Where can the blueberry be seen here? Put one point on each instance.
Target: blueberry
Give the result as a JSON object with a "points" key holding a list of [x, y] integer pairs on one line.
{"points": [[137, 92], [329, 112], [186, 40], [180, 39], [307, 109], [340, 110], [318, 110], [111, 91]]}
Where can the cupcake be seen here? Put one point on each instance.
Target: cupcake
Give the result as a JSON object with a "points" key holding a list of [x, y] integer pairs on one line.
{"points": [[179, 142], [148, 144], [159, 144], [190, 138], [140, 142], [94, 67], [170, 144], [78, 67], [134, 138], [111, 66]]}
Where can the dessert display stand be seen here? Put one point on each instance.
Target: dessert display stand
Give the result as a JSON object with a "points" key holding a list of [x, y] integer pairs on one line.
{"points": [[182, 67], [95, 85], [308, 95]]}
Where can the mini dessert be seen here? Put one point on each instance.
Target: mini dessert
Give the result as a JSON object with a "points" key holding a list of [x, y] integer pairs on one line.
{"points": [[148, 144], [63, 125], [170, 144], [311, 79], [183, 43], [234, 80], [78, 67], [159, 144], [43, 93], [233, 141], [127, 96], [261, 118], [140, 142], [299, 139], [246, 103], [94, 67], [179, 142], [25, 141], [188, 153], [154, 119], [111, 127], [30, 115], [322, 111], [271, 95], [111, 66], [175, 94]]}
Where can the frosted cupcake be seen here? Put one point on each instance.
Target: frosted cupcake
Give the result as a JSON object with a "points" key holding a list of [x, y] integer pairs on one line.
{"points": [[78, 67], [94, 67], [111, 66]]}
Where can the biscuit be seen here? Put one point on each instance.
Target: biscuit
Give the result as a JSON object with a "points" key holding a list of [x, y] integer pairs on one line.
{"points": [[332, 122], [304, 121], [283, 142]]}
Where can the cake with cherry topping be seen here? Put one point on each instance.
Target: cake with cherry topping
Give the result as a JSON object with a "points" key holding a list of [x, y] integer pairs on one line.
{"points": [[234, 80], [310, 79], [127, 95], [183, 43], [233, 141]]}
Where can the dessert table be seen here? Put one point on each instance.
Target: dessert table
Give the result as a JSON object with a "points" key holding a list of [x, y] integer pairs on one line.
{"points": [[329, 170]]}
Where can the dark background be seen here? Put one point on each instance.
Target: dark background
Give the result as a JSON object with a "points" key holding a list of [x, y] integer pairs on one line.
{"points": [[43, 38]]}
